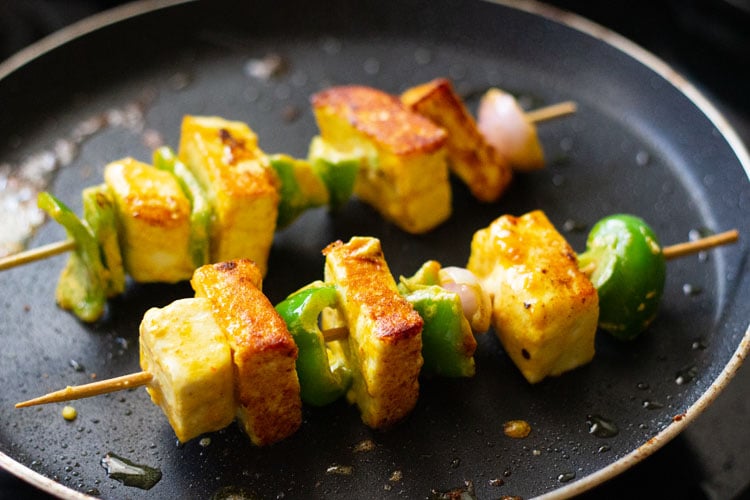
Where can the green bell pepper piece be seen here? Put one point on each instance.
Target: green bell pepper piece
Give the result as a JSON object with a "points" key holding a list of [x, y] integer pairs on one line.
{"points": [[448, 343], [201, 213], [337, 170], [82, 287], [322, 379], [99, 213], [444, 334], [301, 188], [427, 275], [629, 273]]}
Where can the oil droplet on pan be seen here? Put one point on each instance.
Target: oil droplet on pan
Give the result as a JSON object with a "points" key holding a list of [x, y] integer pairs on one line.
{"points": [[690, 290], [130, 473], [566, 476], [601, 427], [686, 375], [340, 470], [652, 405], [516, 428], [364, 446]]}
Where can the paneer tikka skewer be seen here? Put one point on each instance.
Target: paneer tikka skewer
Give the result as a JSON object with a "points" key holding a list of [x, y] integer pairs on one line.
{"points": [[228, 353], [221, 197], [544, 310]]}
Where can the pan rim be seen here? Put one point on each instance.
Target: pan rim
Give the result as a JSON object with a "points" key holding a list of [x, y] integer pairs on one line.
{"points": [[555, 14]]}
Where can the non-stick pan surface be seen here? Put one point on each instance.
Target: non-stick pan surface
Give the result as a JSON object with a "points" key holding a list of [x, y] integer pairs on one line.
{"points": [[643, 142]]}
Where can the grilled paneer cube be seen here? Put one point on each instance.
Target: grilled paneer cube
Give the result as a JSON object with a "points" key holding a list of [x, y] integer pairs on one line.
{"points": [[263, 350], [153, 216], [544, 309], [384, 344], [240, 184], [190, 360], [484, 170], [404, 174]]}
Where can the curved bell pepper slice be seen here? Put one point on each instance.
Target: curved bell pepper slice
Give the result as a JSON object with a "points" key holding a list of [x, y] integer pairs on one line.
{"points": [[301, 188], [99, 213], [448, 343], [200, 211], [337, 170], [323, 377], [82, 286], [629, 273]]}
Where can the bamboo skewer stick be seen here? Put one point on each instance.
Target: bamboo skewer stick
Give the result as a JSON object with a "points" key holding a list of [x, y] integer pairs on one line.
{"points": [[551, 112], [36, 254], [687, 248], [130, 381], [695, 246], [93, 389]]}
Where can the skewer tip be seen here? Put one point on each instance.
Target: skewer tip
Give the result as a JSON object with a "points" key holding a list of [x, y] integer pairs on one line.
{"points": [[691, 247], [88, 390]]}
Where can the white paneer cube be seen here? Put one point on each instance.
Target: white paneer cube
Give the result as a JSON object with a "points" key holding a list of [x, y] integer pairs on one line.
{"points": [[191, 363]]}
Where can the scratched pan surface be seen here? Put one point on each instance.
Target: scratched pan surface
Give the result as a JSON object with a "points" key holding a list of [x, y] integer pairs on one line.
{"points": [[638, 144]]}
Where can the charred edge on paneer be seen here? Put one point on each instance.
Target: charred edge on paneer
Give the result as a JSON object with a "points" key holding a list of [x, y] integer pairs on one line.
{"points": [[240, 184], [404, 173], [263, 350], [384, 345], [479, 165]]}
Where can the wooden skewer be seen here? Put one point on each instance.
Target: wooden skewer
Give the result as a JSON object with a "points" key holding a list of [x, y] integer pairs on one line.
{"points": [[93, 389], [131, 380], [690, 247], [36, 254], [553, 111], [686, 248], [333, 334]]}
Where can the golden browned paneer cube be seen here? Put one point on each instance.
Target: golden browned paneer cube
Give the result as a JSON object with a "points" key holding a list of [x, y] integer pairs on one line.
{"points": [[544, 309], [404, 173], [189, 358], [479, 165], [263, 351], [384, 347], [153, 216], [240, 184]]}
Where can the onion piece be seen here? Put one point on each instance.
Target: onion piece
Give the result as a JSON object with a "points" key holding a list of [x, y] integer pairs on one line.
{"points": [[475, 302], [504, 125]]}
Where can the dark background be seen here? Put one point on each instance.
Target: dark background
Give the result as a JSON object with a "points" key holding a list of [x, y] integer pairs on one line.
{"points": [[708, 42]]}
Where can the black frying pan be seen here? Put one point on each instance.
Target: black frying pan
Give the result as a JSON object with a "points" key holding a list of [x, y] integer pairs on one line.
{"points": [[643, 142]]}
